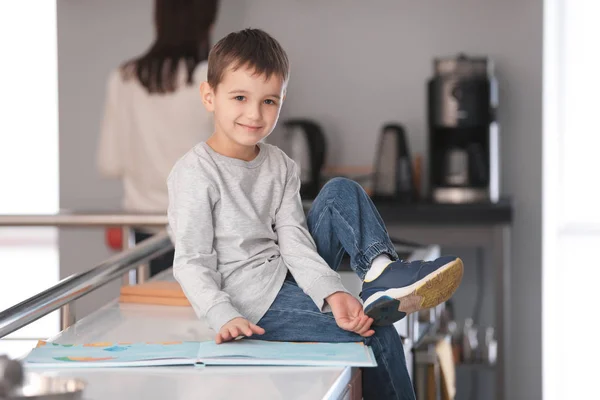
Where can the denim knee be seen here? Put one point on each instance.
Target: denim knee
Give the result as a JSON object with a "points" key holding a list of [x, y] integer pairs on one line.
{"points": [[388, 338], [340, 187]]}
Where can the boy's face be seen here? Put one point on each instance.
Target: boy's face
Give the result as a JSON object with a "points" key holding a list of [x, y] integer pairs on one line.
{"points": [[246, 106]]}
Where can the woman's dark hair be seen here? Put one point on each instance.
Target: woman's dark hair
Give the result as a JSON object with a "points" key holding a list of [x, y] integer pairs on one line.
{"points": [[182, 36]]}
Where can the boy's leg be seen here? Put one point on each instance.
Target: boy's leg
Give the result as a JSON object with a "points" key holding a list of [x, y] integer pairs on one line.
{"points": [[293, 316], [344, 219]]}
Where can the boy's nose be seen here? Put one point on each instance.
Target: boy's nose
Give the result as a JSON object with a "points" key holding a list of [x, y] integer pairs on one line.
{"points": [[253, 112]]}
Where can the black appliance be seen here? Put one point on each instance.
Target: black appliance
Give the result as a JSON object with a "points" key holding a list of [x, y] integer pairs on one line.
{"points": [[463, 132], [305, 143]]}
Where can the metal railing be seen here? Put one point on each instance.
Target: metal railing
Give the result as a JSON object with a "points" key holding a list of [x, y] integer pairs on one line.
{"points": [[79, 285], [77, 219], [75, 286], [80, 219]]}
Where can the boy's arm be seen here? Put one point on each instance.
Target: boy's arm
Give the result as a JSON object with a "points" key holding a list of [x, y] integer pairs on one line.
{"points": [[298, 248], [191, 202], [109, 159]]}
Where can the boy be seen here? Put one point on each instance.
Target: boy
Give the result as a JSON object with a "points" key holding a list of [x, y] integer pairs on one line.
{"points": [[247, 258]]}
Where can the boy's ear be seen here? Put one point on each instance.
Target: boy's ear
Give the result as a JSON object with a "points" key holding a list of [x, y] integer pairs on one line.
{"points": [[208, 96]]}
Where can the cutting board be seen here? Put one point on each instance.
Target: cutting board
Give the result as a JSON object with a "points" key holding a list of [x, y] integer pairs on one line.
{"points": [[155, 292]]}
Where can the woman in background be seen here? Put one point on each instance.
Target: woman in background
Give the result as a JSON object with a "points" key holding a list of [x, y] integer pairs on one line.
{"points": [[153, 111]]}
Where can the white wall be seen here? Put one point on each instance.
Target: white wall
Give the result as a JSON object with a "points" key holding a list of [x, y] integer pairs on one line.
{"points": [[355, 66], [28, 140], [571, 214]]}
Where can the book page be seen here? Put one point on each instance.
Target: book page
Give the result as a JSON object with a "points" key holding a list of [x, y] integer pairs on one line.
{"points": [[112, 354], [258, 352]]}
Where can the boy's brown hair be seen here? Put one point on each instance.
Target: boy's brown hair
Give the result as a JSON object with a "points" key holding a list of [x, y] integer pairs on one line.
{"points": [[252, 48]]}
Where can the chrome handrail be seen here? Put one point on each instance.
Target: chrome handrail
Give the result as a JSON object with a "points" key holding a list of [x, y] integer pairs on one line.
{"points": [[78, 285], [79, 219]]}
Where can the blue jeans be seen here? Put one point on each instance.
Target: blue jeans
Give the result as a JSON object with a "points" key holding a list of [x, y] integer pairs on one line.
{"points": [[343, 220]]}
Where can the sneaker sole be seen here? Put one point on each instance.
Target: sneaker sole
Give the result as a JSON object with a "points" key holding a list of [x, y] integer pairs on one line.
{"points": [[394, 304]]}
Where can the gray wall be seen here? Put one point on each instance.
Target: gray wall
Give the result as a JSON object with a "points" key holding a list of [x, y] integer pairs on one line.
{"points": [[93, 37], [355, 67]]}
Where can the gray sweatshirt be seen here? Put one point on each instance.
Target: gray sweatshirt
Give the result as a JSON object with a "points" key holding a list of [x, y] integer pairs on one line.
{"points": [[238, 227]]}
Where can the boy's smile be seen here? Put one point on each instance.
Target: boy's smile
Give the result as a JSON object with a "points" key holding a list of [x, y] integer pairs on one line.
{"points": [[246, 108]]}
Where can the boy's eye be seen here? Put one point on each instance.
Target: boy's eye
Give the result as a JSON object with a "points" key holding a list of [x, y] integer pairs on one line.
{"points": [[239, 98], [269, 101]]}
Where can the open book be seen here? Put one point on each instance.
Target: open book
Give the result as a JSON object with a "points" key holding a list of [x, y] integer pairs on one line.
{"points": [[239, 352]]}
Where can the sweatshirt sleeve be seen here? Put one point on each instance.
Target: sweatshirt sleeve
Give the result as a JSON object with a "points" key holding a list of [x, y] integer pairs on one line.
{"points": [[298, 248], [191, 202], [109, 159]]}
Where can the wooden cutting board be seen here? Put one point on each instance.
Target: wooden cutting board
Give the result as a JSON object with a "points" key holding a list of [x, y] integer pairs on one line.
{"points": [[156, 292]]}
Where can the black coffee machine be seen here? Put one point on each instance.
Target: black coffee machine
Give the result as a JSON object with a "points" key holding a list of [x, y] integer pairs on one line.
{"points": [[463, 132]]}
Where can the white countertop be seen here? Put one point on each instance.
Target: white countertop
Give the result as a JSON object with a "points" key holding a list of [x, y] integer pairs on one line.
{"points": [[139, 323], [214, 383]]}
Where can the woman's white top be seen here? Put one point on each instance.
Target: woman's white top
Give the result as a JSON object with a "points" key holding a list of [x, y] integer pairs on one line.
{"points": [[144, 134]]}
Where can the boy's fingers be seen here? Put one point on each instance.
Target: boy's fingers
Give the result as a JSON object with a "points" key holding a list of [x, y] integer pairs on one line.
{"points": [[362, 322], [225, 335], [365, 319], [358, 328], [367, 324], [355, 323], [351, 325], [257, 329], [246, 329], [234, 332], [364, 330]]}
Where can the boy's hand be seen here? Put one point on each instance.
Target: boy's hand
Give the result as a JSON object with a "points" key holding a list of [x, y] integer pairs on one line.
{"points": [[349, 314], [235, 328]]}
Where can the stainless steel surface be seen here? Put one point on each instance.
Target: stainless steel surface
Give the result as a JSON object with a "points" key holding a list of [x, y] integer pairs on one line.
{"points": [[67, 316], [84, 219], [142, 273], [457, 167], [127, 241], [460, 195], [494, 147], [501, 258], [384, 179], [76, 286], [189, 383], [462, 66], [40, 387]]}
